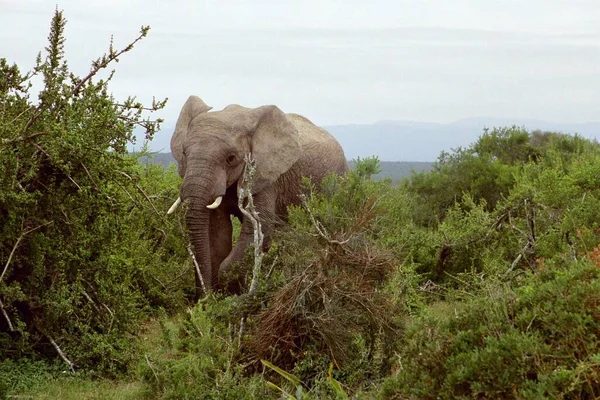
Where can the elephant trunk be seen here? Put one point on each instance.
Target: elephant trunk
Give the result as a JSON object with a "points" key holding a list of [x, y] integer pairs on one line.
{"points": [[202, 186], [197, 220]]}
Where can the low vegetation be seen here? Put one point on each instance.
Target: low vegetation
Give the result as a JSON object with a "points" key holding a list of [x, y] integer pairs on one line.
{"points": [[477, 279]]}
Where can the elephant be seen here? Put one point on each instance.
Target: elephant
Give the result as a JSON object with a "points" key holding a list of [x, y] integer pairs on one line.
{"points": [[210, 147]]}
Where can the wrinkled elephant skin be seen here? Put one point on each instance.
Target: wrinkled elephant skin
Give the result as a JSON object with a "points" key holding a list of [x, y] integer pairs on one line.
{"points": [[210, 146]]}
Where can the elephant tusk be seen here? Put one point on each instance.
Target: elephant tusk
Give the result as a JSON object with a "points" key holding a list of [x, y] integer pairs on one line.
{"points": [[174, 206], [216, 203]]}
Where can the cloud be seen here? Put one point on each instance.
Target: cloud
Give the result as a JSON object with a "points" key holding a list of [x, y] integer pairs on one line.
{"points": [[337, 62]]}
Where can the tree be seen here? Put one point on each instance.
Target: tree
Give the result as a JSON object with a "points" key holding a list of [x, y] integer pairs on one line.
{"points": [[75, 278]]}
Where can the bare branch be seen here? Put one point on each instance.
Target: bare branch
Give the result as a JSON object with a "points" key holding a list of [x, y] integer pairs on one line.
{"points": [[90, 176], [40, 148], [62, 355], [104, 61], [197, 267], [143, 194], [152, 369], [249, 211], [10, 256], [319, 227], [23, 138], [10, 325]]}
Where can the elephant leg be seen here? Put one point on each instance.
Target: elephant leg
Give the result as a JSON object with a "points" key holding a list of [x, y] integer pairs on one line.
{"points": [[221, 235], [265, 206]]}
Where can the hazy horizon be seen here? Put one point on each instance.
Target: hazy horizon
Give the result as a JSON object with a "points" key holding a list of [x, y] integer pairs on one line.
{"points": [[336, 62]]}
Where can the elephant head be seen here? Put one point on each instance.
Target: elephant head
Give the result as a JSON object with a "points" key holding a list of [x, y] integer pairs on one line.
{"points": [[210, 147]]}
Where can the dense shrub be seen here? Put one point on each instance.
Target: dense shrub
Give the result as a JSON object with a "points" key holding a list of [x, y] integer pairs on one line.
{"points": [[335, 272], [198, 358], [85, 249], [536, 341], [478, 279]]}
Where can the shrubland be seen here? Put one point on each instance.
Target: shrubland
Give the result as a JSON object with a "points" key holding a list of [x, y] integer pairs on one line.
{"points": [[478, 279]]}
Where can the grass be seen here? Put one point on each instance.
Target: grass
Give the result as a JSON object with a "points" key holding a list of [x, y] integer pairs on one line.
{"points": [[41, 384], [82, 388]]}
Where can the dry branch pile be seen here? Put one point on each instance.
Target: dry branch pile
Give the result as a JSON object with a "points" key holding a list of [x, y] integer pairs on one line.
{"points": [[333, 294]]}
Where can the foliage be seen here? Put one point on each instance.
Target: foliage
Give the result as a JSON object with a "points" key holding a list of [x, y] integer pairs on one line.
{"points": [[336, 386], [196, 358], [536, 341], [478, 279], [334, 276], [486, 170], [86, 252]]}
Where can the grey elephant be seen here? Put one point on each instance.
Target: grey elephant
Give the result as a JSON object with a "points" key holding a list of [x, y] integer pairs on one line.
{"points": [[210, 147]]}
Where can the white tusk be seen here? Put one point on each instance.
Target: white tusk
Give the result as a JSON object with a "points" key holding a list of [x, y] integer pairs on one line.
{"points": [[216, 203], [174, 206]]}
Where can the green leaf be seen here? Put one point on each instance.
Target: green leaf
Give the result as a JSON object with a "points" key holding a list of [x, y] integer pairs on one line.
{"points": [[291, 378]]}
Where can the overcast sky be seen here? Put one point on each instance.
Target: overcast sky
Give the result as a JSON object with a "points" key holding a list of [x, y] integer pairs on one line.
{"points": [[337, 62]]}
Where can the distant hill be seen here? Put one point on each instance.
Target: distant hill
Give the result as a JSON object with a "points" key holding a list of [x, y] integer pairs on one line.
{"points": [[394, 170], [424, 141], [418, 141]]}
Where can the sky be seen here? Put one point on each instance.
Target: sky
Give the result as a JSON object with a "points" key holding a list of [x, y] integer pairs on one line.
{"points": [[336, 62]]}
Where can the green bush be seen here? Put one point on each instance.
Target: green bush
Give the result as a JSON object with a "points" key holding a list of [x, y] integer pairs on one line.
{"points": [[199, 359], [536, 341], [86, 250]]}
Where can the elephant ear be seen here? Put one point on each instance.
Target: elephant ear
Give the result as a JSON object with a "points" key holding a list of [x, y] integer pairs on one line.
{"points": [[192, 107], [275, 144]]}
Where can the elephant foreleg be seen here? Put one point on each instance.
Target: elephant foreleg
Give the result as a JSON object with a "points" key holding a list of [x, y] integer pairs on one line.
{"points": [[220, 233]]}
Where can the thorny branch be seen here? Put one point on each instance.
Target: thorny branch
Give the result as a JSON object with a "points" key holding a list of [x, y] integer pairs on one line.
{"points": [[97, 65]]}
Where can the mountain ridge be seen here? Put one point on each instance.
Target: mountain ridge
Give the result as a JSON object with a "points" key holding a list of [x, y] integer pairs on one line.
{"points": [[418, 141]]}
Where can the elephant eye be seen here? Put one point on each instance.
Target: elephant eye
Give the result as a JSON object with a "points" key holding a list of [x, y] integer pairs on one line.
{"points": [[230, 159]]}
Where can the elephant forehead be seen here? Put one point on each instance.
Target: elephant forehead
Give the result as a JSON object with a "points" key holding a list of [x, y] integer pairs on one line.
{"points": [[230, 123]]}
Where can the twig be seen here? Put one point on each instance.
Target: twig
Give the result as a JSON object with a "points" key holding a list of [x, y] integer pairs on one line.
{"points": [[241, 332], [112, 56], [197, 267], [90, 176], [319, 227], [10, 256], [40, 148], [268, 274], [133, 107], [87, 296], [517, 259], [62, 355], [112, 316], [143, 193], [152, 369], [23, 138], [10, 325]]}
